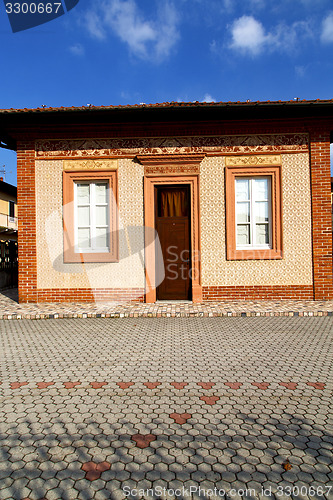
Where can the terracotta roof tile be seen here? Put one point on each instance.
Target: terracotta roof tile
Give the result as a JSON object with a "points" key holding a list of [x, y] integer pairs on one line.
{"points": [[171, 104]]}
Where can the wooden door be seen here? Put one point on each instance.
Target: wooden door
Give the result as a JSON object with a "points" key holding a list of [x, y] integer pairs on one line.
{"points": [[173, 227]]}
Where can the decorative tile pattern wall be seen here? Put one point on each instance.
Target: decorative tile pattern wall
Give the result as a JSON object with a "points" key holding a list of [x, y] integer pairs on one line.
{"points": [[130, 147], [294, 269], [296, 266], [51, 271]]}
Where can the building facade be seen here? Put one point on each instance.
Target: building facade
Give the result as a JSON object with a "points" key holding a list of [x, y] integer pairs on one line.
{"points": [[8, 234], [174, 201]]}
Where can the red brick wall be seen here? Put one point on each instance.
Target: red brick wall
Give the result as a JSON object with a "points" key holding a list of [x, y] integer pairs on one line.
{"points": [[216, 293], [321, 213], [90, 295], [27, 261]]}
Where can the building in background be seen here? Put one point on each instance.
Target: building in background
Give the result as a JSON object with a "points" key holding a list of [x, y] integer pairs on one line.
{"points": [[174, 201], [8, 234]]}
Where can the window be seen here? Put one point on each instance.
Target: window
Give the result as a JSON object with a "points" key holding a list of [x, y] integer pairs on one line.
{"points": [[253, 213], [90, 216], [11, 211]]}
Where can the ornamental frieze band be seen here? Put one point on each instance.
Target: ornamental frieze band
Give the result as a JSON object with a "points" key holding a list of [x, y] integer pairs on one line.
{"points": [[235, 144], [90, 164], [173, 169], [241, 161]]}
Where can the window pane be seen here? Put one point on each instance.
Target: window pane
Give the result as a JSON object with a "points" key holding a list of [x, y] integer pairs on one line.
{"points": [[83, 237], [262, 234], [101, 240], [243, 212], [83, 216], [101, 193], [260, 187], [242, 189], [83, 197], [261, 211], [243, 234], [11, 208], [101, 216]]}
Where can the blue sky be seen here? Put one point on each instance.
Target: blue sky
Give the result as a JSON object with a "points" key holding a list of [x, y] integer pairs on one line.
{"points": [[130, 51]]}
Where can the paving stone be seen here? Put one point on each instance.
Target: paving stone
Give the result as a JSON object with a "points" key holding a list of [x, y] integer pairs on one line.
{"points": [[143, 440], [52, 430]]}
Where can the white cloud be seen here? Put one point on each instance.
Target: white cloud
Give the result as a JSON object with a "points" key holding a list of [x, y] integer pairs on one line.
{"points": [[327, 29], [92, 21], [289, 38], [167, 34], [77, 49], [249, 36], [208, 98], [145, 38]]}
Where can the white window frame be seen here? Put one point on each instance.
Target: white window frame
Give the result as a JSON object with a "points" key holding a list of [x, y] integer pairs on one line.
{"points": [[92, 217], [253, 244]]}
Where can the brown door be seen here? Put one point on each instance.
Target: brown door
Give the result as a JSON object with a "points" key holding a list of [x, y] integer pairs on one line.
{"points": [[173, 227]]}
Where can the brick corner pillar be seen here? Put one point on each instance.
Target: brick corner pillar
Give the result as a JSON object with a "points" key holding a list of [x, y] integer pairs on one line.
{"points": [[321, 213], [26, 201]]}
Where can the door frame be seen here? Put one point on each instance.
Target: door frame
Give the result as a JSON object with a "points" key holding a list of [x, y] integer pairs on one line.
{"points": [[174, 220], [150, 181]]}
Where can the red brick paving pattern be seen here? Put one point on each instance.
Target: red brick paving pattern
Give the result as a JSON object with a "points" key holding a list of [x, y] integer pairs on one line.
{"points": [[180, 418], [233, 385], [97, 385], [316, 385], [125, 385], [94, 471], [179, 385], [143, 440], [289, 385], [206, 385], [71, 385], [261, 385], [17, 385], [44, 385], [209, 400], [176, 385], [152, 385]]}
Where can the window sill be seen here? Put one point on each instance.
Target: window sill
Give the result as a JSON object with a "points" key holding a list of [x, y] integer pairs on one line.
{"points": [[264, 254], [89, 257]]}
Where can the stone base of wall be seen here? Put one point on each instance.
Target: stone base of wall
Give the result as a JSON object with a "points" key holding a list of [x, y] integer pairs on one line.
{"points": [[216, 293], [84, 295]]}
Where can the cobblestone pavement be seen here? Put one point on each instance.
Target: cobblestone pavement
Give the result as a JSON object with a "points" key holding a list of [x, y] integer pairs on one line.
{"points": [[110, 408], [10, 309]]}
